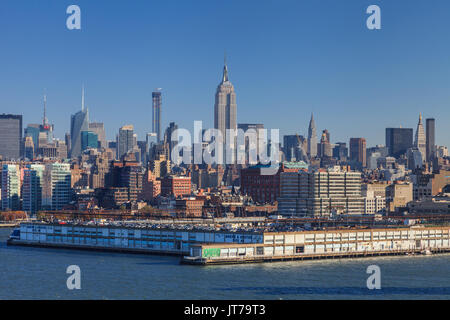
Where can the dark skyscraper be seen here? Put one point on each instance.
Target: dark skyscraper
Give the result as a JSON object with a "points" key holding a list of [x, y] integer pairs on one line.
{"points": [[10, 136], [156, 110], [430, 139], [358, 150], [398, 141]]}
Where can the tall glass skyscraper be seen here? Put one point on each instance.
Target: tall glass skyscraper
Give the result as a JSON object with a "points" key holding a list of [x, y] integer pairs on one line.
{"points": [[79, 122], [89, 139], [10, 136]]}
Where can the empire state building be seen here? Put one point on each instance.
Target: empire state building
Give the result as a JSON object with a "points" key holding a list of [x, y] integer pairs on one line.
{"points": [[225, 105]]}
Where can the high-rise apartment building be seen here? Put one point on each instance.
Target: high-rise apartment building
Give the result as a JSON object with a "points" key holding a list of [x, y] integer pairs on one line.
{"points": [[57, 185], [430, 139], [10, 136], [33, 180], [10, 187], [156, 110]]}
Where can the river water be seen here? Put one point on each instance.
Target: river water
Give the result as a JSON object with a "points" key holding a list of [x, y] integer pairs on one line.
{"points": [[39, 273]]}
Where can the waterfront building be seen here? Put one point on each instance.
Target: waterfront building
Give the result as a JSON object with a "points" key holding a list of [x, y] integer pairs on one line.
{"points": [[33, 180], [57, 190], [321, 193], [312, 138], [10, 187], [398, 141], [205, 246], [10, 136]]}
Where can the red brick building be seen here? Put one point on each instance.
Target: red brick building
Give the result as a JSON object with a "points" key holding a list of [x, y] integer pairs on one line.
{"points": [[176, 186], [189, 207]]}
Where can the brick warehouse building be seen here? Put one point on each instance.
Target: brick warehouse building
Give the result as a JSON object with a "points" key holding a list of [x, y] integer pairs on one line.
{"points": [[175, 186], [266, 188]]}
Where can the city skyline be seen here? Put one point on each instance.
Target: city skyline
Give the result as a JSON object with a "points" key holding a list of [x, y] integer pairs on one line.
{"points": [[401, 88]]}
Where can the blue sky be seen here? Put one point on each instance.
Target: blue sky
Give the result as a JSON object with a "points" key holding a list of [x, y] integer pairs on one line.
{"points": [[286, 59]]}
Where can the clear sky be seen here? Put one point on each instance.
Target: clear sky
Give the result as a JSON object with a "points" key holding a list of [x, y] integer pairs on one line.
{"points": [[286, 59]]}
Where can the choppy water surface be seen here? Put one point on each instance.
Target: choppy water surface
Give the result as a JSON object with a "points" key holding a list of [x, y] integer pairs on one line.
{"points": [[37, 273]]}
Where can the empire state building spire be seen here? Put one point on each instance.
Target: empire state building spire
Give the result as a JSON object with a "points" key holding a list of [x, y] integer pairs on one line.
{"points": [[225, 104], [225, 70]]}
